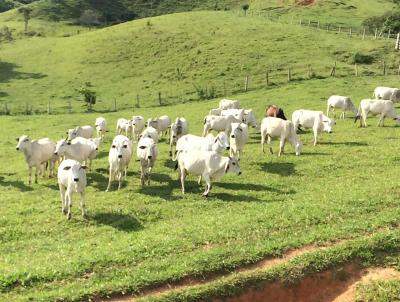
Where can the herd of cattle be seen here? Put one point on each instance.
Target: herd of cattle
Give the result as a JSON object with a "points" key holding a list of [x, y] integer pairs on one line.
{"points": [[202, 156]]}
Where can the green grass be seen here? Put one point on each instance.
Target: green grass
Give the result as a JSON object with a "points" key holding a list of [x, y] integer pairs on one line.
{"points": [[210, 49], [139, 237]]}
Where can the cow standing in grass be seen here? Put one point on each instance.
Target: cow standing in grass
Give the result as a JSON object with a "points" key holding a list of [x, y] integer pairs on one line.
{"points": [[383, 108], [80, 131], [342, 102], [387, 93], [147, 154], [178, 129], [101, 127]]}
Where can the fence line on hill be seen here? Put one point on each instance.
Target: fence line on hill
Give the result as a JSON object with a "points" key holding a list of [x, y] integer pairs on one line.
{"points": [[272, 77], [350, 31]]}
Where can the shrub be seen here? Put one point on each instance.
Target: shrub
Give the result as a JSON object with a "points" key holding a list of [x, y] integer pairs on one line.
{"points": [[388, 21], [360, 58]]}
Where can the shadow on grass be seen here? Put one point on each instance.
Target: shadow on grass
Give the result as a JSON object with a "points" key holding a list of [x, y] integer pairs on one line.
{"points": [[102, 154], [8, 72], [17, 184], [350, 144], [234, 197], [53, 187], [122, 222], [164, 191], [98, 180], [282, 169]]}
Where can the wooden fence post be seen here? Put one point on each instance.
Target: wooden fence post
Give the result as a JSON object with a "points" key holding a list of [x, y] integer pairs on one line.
{"points": [[363, 37], [376, 33], [291, 21], [350, 32], [384, 68], [356, 69], [159, 98], [397, 46], [267, 77], [318, 24], [300, 22], [246, 83], [388, 36], [333, 70], [398, 71], [327, 28], [309, 71], [340, 29], [309, 22]]}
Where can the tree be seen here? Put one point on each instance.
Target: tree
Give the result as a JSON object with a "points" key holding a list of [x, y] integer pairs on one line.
{"points": [[245, 7], [89, 96], [26, 12], [89, 18]]}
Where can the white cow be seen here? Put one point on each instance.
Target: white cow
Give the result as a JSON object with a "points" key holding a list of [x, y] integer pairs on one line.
{"points": [[124, 125], [71, 179], [236, 113], [80, 131], [178, 129], [250, 118], [384, 108], [147, 154], [342, 102], [150, 132], [118, 159], [207, 164], [162, 124], [216, 111], [219, 143], [37, 153], [80, 149], [229, 104], [276, 127], [218, 123], [316, 120], [387, 93], [101, 127], [238, 138], [138, 124]]}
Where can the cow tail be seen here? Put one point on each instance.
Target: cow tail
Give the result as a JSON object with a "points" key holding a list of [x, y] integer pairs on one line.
{"points": [[175, 158]]}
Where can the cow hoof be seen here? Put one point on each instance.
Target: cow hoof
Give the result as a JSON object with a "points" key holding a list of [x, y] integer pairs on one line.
{"points": [[69, 216], [64, 211]]}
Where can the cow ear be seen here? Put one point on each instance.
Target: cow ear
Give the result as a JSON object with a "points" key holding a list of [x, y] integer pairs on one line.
{"points": [[227, 166], [67, 168]]}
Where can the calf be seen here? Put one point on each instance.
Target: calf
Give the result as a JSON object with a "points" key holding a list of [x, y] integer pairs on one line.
{"points": [[387, 93], [312, 119], [37, 154], [276, 127], [162, 124], [71, 179], [218, 123], [207, 164], [138, 124], [178, 129], [80, 149], [101, 127], [147, 153], [342, 102], [384, 108], [118, 159], [124, 125], [238, 138], [275, 111], [80, 131], [229, 104]]}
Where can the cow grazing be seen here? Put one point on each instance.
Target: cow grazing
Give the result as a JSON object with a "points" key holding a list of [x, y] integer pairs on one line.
{"points": [[238, 138], [118, 159], [276, 127], [209, 165], [236, 113], [342, 102], [162, 124], [80, 149], [147, 154], [384, 108], [101, 127], [37, 154], [80, 131], [229, 104], [316, 120], [250, 118], [218, 123], [124, 125], [150, 132], [275, 111], [71, 179], [387, 93], [138, 124], [178, 129], [219, 143]]}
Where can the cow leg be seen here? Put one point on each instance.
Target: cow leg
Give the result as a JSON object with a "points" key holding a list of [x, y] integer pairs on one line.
{"points": [[200, 179], [36, 173], [381, 120], [63, 201], [343, 115], [110, 178], [142, 175], [208, 184], [281, 146], [262, 142], [83, 208], [183, 177], [315, 132], [148, 175], [119, 179], [69, 203]]}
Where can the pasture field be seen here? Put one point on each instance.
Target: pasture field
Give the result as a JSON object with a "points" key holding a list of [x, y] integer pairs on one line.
{"points": [[188, 51], [135, 239]]}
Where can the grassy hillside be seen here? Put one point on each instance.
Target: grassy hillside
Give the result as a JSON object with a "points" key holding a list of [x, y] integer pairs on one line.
{"points": [[173, 54]]}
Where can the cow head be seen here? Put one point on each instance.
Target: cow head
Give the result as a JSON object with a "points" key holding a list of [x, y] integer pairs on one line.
{"points": [[233, 166], [23, 142], [328, 124], [77, 171], [221, 143]]}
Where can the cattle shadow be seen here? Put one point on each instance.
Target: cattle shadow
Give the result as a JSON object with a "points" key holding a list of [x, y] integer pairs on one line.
{"points": [[8, 72], [349, 144], [102, 154], [233, 198], [17, 184], [52, 187], [165, 191], [315, 154], [98, 180], [248, 187], [121, 222], [282, 169], [169, 163]]}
